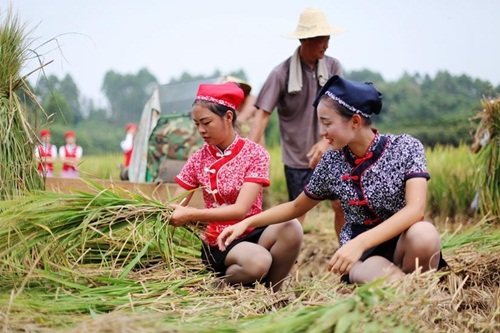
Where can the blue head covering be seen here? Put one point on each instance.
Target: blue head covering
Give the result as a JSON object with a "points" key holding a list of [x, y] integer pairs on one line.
{"points": [[361, 98]]}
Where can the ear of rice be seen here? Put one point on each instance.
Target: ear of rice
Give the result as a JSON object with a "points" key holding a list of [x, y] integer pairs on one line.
{"points": [[18, 173], [488, 148], [109, 227]]}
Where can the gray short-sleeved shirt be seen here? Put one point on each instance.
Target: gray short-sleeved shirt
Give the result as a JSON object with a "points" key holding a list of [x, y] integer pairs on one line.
{"points": [[298, 122]]}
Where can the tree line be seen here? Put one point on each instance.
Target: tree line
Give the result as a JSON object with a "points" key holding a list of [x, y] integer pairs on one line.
{"points": [[436, 110]]}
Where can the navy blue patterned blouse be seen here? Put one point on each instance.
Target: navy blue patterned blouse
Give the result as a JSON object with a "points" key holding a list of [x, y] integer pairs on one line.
{"points": [[371, 189]]}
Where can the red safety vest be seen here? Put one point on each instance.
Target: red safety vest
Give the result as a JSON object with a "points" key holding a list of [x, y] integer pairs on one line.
{"points": [[128, 157], [44, 166], [69, 153]]}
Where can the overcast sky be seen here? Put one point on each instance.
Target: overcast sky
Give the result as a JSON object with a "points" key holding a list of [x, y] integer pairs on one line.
{"points": [[86, 38]]}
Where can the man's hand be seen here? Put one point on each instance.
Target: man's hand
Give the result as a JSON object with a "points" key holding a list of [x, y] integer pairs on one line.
{"points": [[314, 155]]}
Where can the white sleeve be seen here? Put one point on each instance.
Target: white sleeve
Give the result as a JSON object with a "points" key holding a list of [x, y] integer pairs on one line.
{"points": [[128, 143], [79, 152], [62, 153]]}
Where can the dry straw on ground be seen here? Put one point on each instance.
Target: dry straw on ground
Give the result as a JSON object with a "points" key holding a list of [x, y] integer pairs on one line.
{"points": [[147, 291]]}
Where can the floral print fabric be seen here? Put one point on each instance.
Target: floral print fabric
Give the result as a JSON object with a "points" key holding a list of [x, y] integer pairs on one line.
{"points": [[372, 188]]}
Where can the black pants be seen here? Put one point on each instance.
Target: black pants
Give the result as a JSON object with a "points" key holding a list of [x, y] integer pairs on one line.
{"points": [[387, 250], [213, 258]]}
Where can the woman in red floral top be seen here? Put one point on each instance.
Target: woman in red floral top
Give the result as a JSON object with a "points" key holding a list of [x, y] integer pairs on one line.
{"points": [[232, 172]]}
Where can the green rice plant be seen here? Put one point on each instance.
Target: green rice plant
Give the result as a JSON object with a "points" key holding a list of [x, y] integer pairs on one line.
{"points": [[96, 166], [451, 188], [18, 167], [482, 236], [487, 147], [111, 227], [279, 192]]}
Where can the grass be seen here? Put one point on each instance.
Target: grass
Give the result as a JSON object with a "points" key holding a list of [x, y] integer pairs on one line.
{"points": [[451, 187], [96, 166]]}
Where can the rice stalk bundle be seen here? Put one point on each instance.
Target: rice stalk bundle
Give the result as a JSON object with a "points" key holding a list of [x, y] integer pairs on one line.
{"points": [[114, 229], [484, 236], [487, 146], [64, 293], [18, 167]]}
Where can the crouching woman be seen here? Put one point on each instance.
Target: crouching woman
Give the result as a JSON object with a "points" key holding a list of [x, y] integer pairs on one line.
{"points": [[232, 172], [381, 181]]}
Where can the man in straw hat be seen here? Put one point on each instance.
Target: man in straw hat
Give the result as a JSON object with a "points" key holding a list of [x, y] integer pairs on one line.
{"points": [[291, 87]]}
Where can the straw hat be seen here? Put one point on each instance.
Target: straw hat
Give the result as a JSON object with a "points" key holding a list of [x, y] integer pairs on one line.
{"points": [[245, 86], [313, 23]]}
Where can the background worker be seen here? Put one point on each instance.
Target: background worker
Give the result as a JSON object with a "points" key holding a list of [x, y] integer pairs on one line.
{"points": [[46, 154], [127, 146], [291, 88], [70, 155]]}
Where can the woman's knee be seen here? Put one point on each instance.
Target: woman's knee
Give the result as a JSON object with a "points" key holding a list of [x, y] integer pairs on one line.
{"points": [[374, 268], [292, 232], [285, 235], [422, 241], [422, 236], [258, 265]]}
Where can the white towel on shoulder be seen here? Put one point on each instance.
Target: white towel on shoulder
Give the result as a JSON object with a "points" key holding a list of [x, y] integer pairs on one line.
{"points": [[295, 75]]}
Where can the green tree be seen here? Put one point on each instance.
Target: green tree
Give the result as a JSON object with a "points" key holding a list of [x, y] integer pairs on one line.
{"points": [[186, 77], [127, 94], [365, 75], [59, 110], [60, 98]]}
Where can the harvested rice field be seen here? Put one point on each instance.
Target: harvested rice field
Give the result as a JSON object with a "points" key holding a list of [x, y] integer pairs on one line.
{"points": [[108, 262]]}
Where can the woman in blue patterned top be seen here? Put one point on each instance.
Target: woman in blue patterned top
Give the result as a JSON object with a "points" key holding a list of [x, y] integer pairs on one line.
{"points": [[381, 181]]}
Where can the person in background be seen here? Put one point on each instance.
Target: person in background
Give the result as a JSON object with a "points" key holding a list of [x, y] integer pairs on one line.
{"points": [[291, 87], [381, 181], [232, 172], [70, 155], [127, 146], [46, 154], [246, 111]]}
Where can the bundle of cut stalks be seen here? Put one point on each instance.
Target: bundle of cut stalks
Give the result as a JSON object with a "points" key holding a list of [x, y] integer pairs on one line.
{"points": [[18, 173], [487, 145], [110, 228]]}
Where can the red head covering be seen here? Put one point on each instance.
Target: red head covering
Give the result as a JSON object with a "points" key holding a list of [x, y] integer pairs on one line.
{"points": [[44, 132], [128, 127], [227, 94], [69, 134]]}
